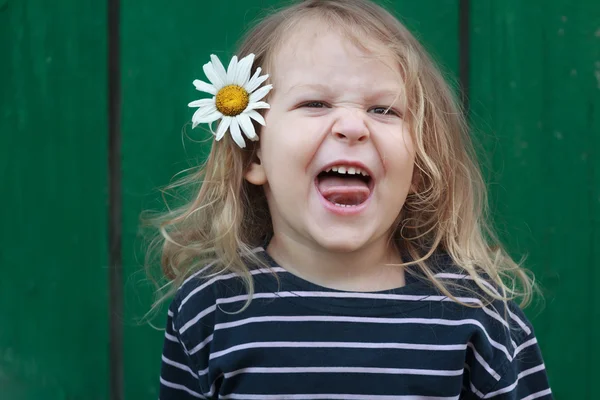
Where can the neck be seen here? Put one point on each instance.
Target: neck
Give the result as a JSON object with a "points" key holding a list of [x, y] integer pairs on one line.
{"points": [[373, 267]]}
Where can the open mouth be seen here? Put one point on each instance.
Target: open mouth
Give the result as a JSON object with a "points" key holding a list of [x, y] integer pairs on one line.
{"points": [[345, 185]]}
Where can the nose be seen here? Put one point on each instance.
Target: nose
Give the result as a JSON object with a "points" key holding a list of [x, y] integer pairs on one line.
{"points": [[350, 126]]}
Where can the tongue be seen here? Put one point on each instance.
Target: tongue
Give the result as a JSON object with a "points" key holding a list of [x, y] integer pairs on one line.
{"points": [[347, 191]]}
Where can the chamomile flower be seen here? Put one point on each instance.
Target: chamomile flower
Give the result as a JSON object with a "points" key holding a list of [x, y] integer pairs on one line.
{"points": [[236, 98]]}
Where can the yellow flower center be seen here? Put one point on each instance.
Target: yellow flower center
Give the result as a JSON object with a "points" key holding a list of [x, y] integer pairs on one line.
{"points": [[232, 100]]}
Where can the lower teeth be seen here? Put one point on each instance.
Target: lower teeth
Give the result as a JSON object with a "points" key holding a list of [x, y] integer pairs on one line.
{"points": [[344, 205]]}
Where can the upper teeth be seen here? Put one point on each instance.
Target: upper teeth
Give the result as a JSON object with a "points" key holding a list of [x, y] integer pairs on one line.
{"points": [[342, 169]]}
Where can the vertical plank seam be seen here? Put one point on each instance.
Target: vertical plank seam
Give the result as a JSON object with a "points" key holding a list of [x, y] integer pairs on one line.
{"points": [[593, 239], [115, 205], [464, 49]]}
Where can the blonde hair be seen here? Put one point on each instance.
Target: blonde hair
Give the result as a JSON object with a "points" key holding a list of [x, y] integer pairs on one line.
{"points": [[228, 217]]}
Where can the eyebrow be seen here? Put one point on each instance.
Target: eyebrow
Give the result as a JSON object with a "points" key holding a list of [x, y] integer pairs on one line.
{"points": [[316, 86], [324, 88]]}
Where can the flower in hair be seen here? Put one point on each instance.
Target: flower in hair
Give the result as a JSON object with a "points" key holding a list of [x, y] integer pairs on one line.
{"points": [[237, 96]]}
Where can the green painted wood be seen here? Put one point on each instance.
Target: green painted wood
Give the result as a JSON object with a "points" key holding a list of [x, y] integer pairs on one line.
{"points": [[535, 99], [163, 50], [53, 257], [435, 25]]}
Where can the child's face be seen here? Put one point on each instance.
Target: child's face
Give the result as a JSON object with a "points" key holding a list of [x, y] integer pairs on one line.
{"points": [[327, 110]]}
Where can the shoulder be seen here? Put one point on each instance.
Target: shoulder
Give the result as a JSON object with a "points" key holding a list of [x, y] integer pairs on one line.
{"points": [[503, 355], [197, 297], [202, 293], [504, 317], [502, 325]]}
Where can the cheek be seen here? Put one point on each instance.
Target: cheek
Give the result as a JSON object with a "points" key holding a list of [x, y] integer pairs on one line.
{"points": [[278, 157], [397, 152], [290, 140]]}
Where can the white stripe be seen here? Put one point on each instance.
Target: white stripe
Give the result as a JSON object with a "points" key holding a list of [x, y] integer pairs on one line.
{"points": [[343, 370], [180, 387], [171, 338], [213, 387], [203, 372], [170, 313], [483, 363], [344, 345], [179, 366], [528, 343], [513, 316], [185, 350], [332, 396], [372, 320], [226, 277], [514, 385], [351, 295], [197, 318], [538, 394], [195, 274], [497, 317], [473, 388], [201, 345], [362, 295], [519, 321]]}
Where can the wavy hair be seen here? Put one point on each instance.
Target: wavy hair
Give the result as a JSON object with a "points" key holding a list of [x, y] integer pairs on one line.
{"points": [[215, 232]]}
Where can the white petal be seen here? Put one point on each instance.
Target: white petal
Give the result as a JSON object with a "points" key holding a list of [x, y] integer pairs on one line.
{"points": [[201, 112], [204, 87], [223, 126], [213, 77], [205, 110], [254, 78], [219, 68], [236, 135], [243, 70], [256, 116], [232, 70], [256, 81], [202, 102], [260, 93], [257, 106], [247, 127], [206, 119]]}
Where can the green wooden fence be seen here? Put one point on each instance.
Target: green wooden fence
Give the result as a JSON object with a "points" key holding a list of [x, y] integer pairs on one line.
{"points": [[534, 90]]}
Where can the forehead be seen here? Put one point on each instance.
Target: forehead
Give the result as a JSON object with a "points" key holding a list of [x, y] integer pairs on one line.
{"points": [[315, 53]]}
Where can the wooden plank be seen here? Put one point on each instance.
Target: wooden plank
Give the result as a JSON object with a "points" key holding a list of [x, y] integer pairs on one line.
{"points": [[164, 49], [53, 299], [435, 24], [535, 96]]}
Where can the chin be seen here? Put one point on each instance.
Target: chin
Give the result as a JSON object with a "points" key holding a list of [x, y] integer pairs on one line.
{"points": [[342, 243]]}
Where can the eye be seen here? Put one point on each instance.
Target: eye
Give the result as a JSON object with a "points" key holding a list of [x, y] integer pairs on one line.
{"points": [[314, 104], [384, 111]]}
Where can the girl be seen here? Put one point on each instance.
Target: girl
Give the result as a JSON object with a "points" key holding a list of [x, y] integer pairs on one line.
{"points": [[339, 250]]}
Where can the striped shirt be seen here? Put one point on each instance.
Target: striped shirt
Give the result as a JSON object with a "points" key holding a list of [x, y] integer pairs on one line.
{"points": [[297, 340]]}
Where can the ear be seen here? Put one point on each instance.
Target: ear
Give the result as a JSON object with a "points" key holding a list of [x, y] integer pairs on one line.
{"points": [[256, 174]]}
